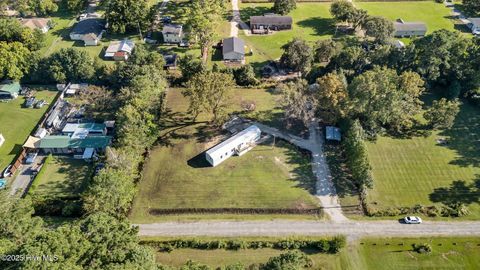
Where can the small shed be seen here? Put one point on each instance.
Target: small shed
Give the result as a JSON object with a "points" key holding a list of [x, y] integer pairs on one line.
{"points": [[238, 144], [9, 90], [170, 61], [409, 29], [333, 134], [233, 49]]}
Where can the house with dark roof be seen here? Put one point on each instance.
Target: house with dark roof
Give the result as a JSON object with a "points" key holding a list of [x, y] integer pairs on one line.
{"points": [[9, 90], [89, 31], [41, 24], [270, 22], [409, 29], [233, 49], [172, 33]]}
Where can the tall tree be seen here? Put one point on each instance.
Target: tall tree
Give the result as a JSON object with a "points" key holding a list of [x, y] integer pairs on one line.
{"points": [[472, 6], [332, 97], [69, 65], [325, 49], [14, 60], [127, 15], [203, 18], [342, 10], [284, 6], [209, 92], [76, 5], [298, 101], [297, 55], [442, 113], [35, 7], [12, 30], [379, 28]]}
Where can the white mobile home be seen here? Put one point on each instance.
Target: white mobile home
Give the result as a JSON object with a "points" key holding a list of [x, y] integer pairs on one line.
{"points": [[238, 144]]}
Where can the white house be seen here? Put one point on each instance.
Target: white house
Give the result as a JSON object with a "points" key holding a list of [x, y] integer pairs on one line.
{"points": [[409, 29], [120, 50], [172, 33], [238, 144], [90, 31], [474, 25]]}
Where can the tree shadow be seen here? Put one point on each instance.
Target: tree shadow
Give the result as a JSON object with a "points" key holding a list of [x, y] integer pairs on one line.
{"points": [[458, 192], [464, 136], [322, 26], [247, 12]]}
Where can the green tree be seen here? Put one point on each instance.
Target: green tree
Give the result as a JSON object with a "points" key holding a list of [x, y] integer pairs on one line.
{"points": [[69, 65], [442, 113], [75, 5], [379, 28], [98, 102], [472, 6], [203, 18], [325, 49], [245, 76], [35, 7], [190, 66], [357, 155], [14, 60], [342, 10], [332, 97], [297, 55], [292, 260], [209, 92], [127, 15], [298, 101], [12, 30], [381, 98], [284, 6]]}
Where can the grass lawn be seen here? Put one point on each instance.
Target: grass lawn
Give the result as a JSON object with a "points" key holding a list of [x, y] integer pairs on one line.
{"points": [[311, 21], [18, 122], [371, 254], [176, 174], [447, 253], [436, 16], [61, 176], [420, 171]]}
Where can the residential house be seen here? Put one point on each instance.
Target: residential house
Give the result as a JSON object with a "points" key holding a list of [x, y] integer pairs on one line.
{"points": [[170, 61], [9, 90], [89, 31], [120, 50], [172, 33], [80, 147], [233, 49], [409, 29], [41, 24], [238, 144], [474, 25], [268, 22]]}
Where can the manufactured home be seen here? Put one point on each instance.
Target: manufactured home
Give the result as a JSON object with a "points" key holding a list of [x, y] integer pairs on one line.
{"points": [[238, 144], [409, 29], [268, 22]]}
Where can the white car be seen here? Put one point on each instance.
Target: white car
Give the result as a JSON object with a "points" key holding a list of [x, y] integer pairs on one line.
{"points": [[412, 220]]}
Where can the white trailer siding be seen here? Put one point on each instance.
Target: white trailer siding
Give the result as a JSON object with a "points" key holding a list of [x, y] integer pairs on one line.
{"points": [[233, 145]]}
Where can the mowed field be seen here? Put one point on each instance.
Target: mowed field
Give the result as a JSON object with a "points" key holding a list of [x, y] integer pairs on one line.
{"points": [[435, 15], [61, 176], [311, 21], [18, 122], [421, 171], [176, 175], [364, 254]]}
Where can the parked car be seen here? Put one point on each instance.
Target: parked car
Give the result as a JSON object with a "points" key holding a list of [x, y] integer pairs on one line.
{"points": [[7, 172], [3, 183], [166, 19], [31, 157], [412, 220], [40, 104], [184, 44], [29, 102]]}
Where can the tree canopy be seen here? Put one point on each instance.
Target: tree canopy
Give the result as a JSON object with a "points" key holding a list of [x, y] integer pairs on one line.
{"points": [[284, 6], [297, 55], [127, 15]]}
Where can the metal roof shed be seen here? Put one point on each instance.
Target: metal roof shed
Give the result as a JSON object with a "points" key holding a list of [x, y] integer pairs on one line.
{"points": [[333, 134]]}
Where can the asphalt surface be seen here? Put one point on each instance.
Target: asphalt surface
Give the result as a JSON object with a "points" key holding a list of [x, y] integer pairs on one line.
{"points": [[351, 229]]}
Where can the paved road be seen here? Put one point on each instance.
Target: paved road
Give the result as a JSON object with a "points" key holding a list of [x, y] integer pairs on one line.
{"points": [[352, 230]]}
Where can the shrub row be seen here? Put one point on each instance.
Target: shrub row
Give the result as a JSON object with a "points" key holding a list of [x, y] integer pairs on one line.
{"points": [[248, 211], [458, 210], [332, 245]]}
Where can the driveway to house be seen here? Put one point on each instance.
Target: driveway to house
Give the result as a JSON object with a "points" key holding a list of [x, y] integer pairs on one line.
{"points": [[325, 189], [353, 230], [236, 22], [25, 176]]}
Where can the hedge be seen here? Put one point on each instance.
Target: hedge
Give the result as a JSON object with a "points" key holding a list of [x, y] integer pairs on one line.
{"points": [[327, 245], [248, 211]]}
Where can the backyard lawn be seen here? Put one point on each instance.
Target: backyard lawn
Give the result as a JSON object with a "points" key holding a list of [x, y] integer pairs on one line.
{"points": [[18, 122], [61, 177], [435, 15], [176, 175], [311, 21], [419, 170]]}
